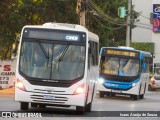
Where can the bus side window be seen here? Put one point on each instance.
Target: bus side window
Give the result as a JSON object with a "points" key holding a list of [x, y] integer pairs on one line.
{"points": [[145, 61], [94, 53], [89, 54], [97, 53], [148, 65]]}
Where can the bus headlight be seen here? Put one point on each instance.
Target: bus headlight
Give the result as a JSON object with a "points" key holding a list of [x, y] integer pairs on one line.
{"points": [[20, 85], [134, 84], [79, 90], [101, 80]]}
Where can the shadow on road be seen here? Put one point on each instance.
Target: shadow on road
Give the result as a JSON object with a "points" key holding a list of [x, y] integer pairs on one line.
{"points": [[58, 112]]}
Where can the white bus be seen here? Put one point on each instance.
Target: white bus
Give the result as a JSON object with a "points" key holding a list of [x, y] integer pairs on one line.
{"points": [[123, 70], [57, 66]]}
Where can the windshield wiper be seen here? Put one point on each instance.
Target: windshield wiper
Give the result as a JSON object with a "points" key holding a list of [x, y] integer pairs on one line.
{"points": [[63, 53], [61, 57], [43, 50]]}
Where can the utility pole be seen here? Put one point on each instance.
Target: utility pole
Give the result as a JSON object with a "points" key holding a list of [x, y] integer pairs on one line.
{"points": [[128, 32], [82, 19], [81, 8]]}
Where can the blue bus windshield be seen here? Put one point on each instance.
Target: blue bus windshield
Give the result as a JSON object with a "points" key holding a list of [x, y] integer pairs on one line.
{"points": [[119, 66]]}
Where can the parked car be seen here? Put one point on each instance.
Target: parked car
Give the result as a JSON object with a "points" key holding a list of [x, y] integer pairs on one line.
{"points": [[154, 82]]}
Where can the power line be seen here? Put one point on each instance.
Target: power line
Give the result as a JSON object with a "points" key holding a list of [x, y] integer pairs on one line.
{"points": [[105, 25], [98, 12], [117, 27], [106, 17], [140, 14], [143, 24], [143, 27], [144, 16]]}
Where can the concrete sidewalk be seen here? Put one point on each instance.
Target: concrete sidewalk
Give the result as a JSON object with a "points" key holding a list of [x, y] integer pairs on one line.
{"points": [[7, 92]]}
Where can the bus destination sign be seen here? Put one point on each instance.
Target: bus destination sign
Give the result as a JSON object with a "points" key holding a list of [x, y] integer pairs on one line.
{"points": [[60, 35], [121, 53]]}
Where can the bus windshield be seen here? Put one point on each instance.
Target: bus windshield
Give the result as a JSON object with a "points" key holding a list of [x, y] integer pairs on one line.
{"points": [[119, 66], [52, 61]]}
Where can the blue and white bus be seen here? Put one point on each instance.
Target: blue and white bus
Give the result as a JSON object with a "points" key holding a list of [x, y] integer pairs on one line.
{"points": [[123, 70], [57, 65]]}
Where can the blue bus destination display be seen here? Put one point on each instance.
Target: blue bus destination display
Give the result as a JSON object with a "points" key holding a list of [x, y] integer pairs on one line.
{"points": [[120, 53]]}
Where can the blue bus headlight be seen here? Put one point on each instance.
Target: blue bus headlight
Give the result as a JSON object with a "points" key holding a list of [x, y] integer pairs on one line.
{"points": [[101, 80], [134, 84]]}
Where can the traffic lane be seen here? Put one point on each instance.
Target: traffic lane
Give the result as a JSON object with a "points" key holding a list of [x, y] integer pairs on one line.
{"points": [[7, 103], [66, 112], [51, 113], [125, 103], [118, 103]]}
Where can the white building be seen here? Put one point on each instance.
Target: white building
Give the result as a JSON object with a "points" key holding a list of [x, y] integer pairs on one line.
{"points": [[144, 30]]}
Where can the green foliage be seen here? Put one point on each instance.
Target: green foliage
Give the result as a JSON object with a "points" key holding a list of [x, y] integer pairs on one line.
{"points": [[148, 47], [14, 14], [109, 36]]}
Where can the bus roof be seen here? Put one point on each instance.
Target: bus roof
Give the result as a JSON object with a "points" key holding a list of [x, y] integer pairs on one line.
{"points": [[146, 54]]}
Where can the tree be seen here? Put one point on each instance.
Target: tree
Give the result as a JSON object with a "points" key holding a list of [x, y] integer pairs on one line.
{"points": [[6, 28], [105, 22], [14, 14], [149, 47]]}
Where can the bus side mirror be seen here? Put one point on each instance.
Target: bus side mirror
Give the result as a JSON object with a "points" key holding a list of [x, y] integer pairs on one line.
{"points": [[15, 47], [14, 51], [144, 66]]}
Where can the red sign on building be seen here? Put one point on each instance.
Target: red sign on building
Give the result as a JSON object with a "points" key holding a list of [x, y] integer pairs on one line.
{"points": [[7, 73]]}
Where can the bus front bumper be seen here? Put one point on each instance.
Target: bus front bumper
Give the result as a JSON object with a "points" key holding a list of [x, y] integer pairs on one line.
{"points": [[132, 91], [52, 99]]}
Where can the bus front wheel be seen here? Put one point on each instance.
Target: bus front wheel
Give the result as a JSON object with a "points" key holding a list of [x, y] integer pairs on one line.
{"points": [[80, 109], [135, 97], [24, 105], [88, 107], [113, 94], [141, 96], [101, 94]]}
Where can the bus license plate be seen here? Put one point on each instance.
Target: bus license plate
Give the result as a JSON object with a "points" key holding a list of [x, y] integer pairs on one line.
{"points": [[49, 97], [116, 91]]}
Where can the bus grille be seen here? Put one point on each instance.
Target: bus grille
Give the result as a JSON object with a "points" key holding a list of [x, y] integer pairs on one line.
{"points": [[48, 91], [49, 100]]}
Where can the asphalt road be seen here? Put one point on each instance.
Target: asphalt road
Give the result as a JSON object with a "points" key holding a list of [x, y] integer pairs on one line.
{"points": [[103, 108]]}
